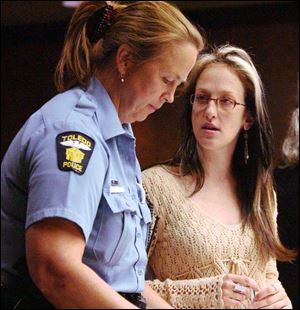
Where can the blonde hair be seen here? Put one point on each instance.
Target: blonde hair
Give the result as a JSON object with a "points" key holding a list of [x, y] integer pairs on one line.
{"points": [[290, 146], [148, 27], [255, 189]]}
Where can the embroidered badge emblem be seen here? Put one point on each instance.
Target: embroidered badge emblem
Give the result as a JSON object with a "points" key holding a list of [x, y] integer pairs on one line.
{"points": [[74, 150]]}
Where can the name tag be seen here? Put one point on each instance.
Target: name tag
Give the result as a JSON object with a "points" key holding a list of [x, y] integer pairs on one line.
{"points": [[115, 187]]}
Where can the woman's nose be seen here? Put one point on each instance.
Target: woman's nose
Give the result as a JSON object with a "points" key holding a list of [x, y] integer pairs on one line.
{"points": [[211, 109]]}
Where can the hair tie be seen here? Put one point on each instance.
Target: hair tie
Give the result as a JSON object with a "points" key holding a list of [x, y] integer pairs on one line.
{"points": [[100, 22]]}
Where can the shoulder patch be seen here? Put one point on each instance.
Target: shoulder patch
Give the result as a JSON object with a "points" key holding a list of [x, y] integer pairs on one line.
{"points": [[74, 150]]}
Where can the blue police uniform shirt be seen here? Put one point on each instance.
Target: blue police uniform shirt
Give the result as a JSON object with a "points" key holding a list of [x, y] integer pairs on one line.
{"points": [[73, 159]]}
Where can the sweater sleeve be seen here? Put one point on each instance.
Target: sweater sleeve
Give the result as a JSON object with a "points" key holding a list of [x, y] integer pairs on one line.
{"points": [[272, 275], [205, 293]]}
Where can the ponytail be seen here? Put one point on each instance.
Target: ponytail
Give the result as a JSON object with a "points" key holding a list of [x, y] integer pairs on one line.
{"points": [[75, 65]]}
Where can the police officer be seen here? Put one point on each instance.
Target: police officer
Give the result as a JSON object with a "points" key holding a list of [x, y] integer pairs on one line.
{"points": [[74, 217]]}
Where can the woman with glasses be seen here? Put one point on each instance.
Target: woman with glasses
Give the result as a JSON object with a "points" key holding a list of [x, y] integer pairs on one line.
{"points": [[214, 241]]}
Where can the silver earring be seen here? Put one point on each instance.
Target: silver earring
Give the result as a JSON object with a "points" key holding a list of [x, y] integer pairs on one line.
{"points": [[246, 150], [122, 78]]}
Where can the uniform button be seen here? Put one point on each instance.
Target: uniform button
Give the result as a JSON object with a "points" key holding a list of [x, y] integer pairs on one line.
{"points": [[140, 272], [138, 235], [133, 197]]}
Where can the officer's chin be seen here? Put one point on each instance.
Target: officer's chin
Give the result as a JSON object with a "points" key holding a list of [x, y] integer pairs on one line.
{"points": [[140, 117]]}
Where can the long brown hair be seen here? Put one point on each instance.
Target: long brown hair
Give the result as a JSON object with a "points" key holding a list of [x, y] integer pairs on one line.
{"points": [[255, 179], [148, 27]]}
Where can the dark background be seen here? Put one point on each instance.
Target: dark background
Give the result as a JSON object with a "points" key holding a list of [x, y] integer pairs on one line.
{"points": [[32, 34]]}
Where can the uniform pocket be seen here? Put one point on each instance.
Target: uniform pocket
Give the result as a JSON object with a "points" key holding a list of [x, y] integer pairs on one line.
{"points": [[116, 231]]}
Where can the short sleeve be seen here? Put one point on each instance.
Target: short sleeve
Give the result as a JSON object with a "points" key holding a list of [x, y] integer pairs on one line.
{"points": [[57, 192]]}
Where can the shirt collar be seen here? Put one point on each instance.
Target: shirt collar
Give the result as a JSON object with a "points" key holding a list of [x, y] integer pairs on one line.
{"points": [[106, 112]]}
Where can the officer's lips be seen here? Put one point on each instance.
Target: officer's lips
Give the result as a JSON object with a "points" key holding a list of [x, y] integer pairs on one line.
{"points": [[153, 108]]}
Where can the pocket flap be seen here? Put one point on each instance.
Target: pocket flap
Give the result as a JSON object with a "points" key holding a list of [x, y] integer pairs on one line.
{"points": [[117, 203]]}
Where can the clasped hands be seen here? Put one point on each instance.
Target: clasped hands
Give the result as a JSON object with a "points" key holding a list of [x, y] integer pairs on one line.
{"points": [[236, 288]]}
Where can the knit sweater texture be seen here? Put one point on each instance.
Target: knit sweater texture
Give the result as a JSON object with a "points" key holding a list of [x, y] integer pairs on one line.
{"points": [[190, 252]]}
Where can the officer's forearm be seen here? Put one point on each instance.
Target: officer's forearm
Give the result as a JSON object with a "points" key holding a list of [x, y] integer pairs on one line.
{"points": [[54, 250], [77, 286]]}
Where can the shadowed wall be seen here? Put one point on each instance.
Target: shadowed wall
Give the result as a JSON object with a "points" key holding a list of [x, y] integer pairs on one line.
{"points": [[269, 34]]}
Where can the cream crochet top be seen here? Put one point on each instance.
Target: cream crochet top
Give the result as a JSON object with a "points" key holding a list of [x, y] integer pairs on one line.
{"points": [[190, 252]]}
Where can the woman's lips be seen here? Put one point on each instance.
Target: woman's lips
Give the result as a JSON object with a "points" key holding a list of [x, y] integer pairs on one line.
{"points": [[210, 128]]}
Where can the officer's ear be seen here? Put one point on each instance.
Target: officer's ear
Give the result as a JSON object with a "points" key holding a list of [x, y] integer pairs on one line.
{"points": [[123, 59]]}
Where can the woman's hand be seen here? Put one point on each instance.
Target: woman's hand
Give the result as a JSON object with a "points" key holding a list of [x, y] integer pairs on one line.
{"points": [[236, 289], [271, 298]]}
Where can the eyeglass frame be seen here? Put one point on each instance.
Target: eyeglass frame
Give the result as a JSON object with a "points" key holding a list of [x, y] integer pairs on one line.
{"points": [[216, 100]]}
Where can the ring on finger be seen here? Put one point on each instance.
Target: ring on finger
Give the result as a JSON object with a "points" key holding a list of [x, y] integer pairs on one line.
{"points": [[239, 288], [252, 295]]}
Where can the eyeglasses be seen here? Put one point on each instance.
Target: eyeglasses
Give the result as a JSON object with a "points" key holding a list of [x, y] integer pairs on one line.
{"points": [[223, 103]]}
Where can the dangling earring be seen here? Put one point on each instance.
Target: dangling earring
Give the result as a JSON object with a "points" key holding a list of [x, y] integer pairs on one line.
{"points": [[122, 78], [246, 151]]}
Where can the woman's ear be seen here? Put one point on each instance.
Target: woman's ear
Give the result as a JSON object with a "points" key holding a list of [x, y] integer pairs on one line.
{"points": [[123, 58], [248, 122]]}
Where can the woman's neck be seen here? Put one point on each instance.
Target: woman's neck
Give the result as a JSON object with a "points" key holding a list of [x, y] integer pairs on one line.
{"points": [[216, 164]]}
